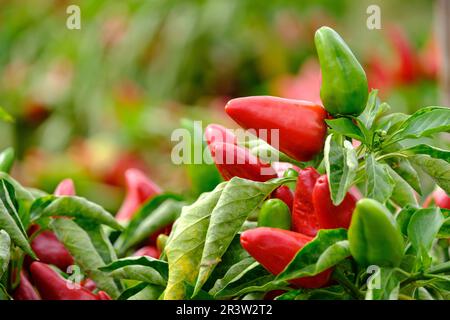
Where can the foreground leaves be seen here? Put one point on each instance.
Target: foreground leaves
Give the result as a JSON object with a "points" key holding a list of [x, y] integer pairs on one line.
{"points": [[238, 199], [79, 244], [9, 218], [326, 250], [72, 206], [185, 246]]}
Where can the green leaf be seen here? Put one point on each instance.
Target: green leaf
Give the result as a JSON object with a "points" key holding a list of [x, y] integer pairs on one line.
{"points": [[384, 285], [160, 266], [233, 272], [437, 169], [142, 291], [79, 244], [327, 249], [72, 206], [373, 110], [185, 244], [139, 273], [403, 193], [244, 278], [391, 122], [158, 218], [5, 249], [345, 127], [233, 255], [422, 229], [403, 218], [424, 122], [341, 164], [145, 210], [6, 159], [238, 199], [4, 295], [433, 152], [22, 193], [9, 218], [329, 293], [379, 183], [99, 239], [404, 169]]}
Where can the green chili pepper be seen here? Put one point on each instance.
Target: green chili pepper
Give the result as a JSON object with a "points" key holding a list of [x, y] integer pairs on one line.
{"points": [[161, 242], [344, 88], [6, 159], [276, 214], [291, 173], [374, 236]]}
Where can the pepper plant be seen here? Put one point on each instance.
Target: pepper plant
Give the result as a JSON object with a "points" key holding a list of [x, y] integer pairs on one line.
{"points": [[339, 215]]}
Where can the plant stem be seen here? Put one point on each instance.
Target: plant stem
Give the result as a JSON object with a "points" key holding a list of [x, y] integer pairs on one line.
{"points": [[350, 288]]}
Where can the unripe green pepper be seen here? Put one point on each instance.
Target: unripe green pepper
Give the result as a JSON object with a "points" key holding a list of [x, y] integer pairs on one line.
{"points": [[291, 173], [374, 236], [344, 88], [161, 242], [275, 214]]}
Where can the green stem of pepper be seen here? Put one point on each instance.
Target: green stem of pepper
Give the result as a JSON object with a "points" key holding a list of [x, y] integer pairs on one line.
{"points": [[339, 276]]}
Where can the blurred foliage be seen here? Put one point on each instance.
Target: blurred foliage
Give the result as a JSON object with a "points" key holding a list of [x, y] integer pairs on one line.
{"points": [[88, 103]]}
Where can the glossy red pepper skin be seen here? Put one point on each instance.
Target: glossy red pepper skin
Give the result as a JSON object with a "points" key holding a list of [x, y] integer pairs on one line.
{"points": [[88, 284], [149, 251], [304, 219], [328, 215], [139, 188], [284, 194], [275, 248], [301, 124], [52, 286], [25, 290], [216, 133], [50, 250], [440, 199], [235, 161]]}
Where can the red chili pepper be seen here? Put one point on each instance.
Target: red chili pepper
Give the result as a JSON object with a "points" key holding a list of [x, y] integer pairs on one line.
{"points": [[88, 284], [235, 161], [25, 290], [102, 295], [329, 215], [301, 124], [216, 133], [139, 189], [304, 219], [407, 67], [65, 188], [50, 250], [440, 199], [147, 251], [52, 286], [284, 194], [275, 248], [46, 245]]}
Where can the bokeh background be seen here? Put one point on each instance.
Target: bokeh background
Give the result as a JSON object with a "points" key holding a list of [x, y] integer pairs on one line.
{"points": [[90, 103]]}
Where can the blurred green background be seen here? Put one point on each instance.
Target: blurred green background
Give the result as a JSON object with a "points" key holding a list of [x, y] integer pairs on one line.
{"points": [[90, 103]]}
